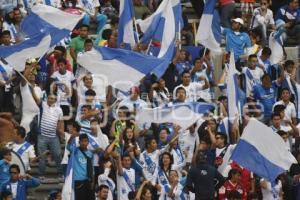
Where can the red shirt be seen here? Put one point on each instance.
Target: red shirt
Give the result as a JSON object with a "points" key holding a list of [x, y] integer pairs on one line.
{"points": [[230, 187], [226, 2]]}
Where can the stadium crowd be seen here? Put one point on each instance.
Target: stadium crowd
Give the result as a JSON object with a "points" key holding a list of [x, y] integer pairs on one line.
{"points": [[114, 157]]}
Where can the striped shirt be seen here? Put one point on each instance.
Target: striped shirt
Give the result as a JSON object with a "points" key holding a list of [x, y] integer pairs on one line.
{"points": [[50, 116]]}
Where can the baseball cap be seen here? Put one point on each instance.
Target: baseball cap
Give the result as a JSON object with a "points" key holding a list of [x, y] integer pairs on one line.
{"points": [[238, 20]]}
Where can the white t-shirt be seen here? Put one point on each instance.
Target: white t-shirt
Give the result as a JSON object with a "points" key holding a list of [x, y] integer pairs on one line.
{"points": [[187, 142], [26, 155], [147, 169], [256, 73], [177, 192], [179, 159], [193, 91], [67, 78], [123, 187], [268, 194], [289, 111], [259, 19], [29, 112], [14, 187], [103, 179]]}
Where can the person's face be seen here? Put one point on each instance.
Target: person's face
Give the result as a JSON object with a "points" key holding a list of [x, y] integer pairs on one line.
{"points": [[14, 174], [112, 42], [83, 143], [173, 177], [264, 4], [235, 26], [294, 5], [58, 53], [61, 67], [129, 133], [166, 160], [6, 40], [181, 95], [285, 95], [252, 63], [134, 95], [153, 145], [17, 16], [236, 177], [276, 121], [122, 115], [89, 99], [290, 69], [161, 83], [8, 157], [126, 162], [84, 111], [220, 141], [285, 137], [186, 79], [212, 124], [94, 128], [163, 135], [103, 194], [83, 32], [267, 82], [88, 81], [147, 195], [11, 15], [88, 46], [198, 63], [182, 56], [51, 100], [31, 77]]}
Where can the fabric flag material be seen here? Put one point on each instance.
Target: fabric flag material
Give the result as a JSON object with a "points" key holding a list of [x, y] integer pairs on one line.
{"points": [[125, 29], [34, 47], [183, 115], [162, 26], [46, 18], [68, 188], [209, 30], [275, 44], [232, 90], [255, 151], [119, 67]]}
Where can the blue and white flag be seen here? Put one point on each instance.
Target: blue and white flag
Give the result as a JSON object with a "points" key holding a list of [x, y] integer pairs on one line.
{"points": [[35, 47], [255, 151], [183, 115], [276, 45], [232, 91], [162, 26], [125, 29], [119, 68], [209, 30], [68, 188], [45, 18]]}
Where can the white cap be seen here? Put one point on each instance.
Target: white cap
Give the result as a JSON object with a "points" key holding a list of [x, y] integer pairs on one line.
{"points": [[238, 20]]}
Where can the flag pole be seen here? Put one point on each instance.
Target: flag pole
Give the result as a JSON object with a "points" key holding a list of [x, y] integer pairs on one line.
{"points": [[136, 30], [179, 36]]}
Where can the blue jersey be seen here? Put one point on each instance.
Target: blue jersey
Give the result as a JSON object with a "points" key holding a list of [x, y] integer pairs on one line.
{"points": [[237, 42], [4, 172], [266, 96], [80, 163]]}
